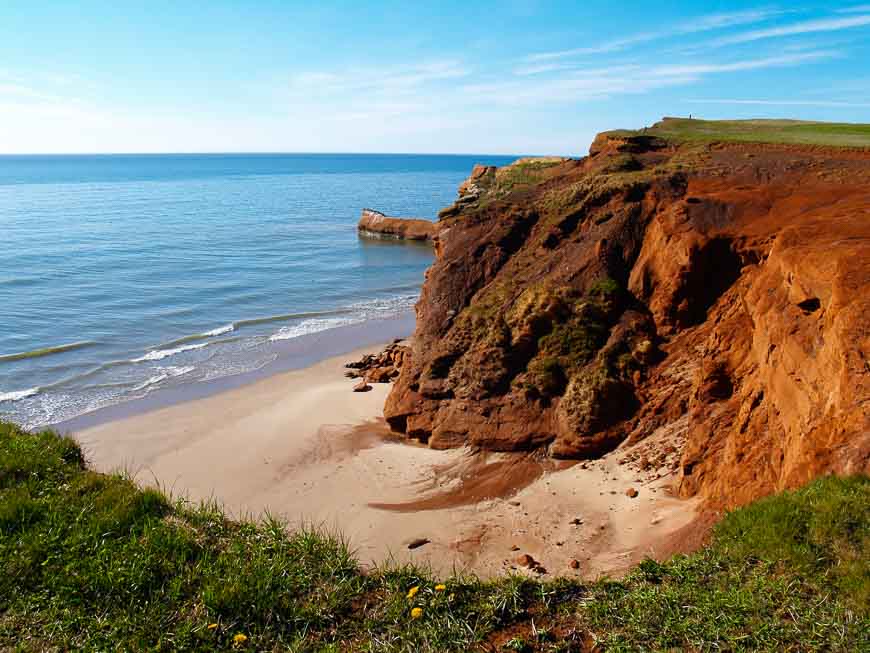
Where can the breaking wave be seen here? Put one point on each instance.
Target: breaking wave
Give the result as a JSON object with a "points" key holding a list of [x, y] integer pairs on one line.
{"points": [[18, 394], [160, 354]]}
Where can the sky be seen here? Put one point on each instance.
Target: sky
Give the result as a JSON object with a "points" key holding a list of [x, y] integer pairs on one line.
{"points": [[513, 77]]}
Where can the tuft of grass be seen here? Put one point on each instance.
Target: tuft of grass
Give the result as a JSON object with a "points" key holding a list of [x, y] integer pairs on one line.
{"points": [[757, 131], [93, 562]]}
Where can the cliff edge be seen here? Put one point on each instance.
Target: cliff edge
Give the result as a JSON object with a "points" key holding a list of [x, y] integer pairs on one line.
{"points": [[700, 303]]}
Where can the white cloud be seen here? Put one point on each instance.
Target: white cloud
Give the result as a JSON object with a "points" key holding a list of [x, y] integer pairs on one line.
{"points": [[736, 66], [696, 25], [535, 69], [857, 9], [566, 89], [15, 92], [381, 79], [805, 27], [610, 46], [600, 83], [786, 103]]}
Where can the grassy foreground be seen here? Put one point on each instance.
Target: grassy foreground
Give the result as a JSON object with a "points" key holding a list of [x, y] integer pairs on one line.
{"points": [[92, 562], [838, 134]]}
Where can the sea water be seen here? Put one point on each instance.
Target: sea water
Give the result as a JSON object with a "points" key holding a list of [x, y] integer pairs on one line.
{"points": [[125, 275]]}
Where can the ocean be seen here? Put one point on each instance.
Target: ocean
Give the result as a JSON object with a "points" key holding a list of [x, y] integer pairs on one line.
{"points": [[128, 277]]}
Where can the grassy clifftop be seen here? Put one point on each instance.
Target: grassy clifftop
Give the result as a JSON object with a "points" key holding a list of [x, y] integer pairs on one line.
{"points": [[89, 561], [759, 131]]}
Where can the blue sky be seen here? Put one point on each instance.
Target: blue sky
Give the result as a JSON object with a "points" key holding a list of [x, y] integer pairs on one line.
{"points": [[509, 77]]}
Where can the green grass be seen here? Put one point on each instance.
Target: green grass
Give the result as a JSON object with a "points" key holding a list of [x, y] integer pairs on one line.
{"points": [[759, 131], [92, 562]]}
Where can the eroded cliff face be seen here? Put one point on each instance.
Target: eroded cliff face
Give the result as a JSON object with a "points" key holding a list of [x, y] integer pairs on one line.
{"points": [[713, 294]]}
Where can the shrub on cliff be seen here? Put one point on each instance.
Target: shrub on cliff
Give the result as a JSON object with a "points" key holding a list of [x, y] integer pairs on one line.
{"points": [[91, 561]]}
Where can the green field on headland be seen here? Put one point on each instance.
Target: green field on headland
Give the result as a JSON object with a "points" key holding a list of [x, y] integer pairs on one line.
{"points": [[93, 562], [758, 131]]}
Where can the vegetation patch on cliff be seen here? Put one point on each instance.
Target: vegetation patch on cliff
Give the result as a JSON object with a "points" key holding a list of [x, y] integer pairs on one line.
{"points": [[757, 131], [93, 562]]}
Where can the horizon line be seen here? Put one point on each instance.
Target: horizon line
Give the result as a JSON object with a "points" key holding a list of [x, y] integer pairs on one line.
{"points": [[274, 153]]}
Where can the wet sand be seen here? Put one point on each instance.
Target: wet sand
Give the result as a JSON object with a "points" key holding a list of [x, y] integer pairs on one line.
{"points": [[302, 446]]}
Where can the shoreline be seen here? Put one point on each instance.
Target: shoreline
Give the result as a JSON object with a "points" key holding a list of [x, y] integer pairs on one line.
{"points": [[302, 446], [293, 354]]}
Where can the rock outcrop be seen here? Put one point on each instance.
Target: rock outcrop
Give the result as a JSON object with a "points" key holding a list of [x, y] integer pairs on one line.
{"points": [[377, 225], [711, 296], [378, 368]]}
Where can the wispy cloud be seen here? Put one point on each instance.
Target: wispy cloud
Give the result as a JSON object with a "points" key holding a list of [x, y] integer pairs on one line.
{"points": [[389, 79], [805, 27], [534, 69], [600, 83], [700, 24], [746, 64], [786, 103], [857, 9], [17, 92]]}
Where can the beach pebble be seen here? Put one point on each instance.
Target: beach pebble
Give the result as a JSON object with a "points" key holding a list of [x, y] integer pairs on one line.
{"points": [[574, 564], [418, 542], [362, 386], [631, 493]]}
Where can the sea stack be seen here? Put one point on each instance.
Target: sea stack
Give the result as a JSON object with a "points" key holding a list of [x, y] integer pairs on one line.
{"points": [[375, 224]]}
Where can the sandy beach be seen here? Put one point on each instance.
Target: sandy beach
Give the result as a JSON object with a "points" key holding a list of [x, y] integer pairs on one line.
{"points": [[302, 446]]}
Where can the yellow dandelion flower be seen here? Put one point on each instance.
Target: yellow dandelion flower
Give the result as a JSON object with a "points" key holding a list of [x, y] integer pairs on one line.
{"points": [[416, 613], [238, 638], [211, 626], [413, 591], [440, 587]]}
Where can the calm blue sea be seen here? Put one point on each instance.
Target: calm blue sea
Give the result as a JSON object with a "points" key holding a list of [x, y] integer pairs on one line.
{"points": [[124, 275]]}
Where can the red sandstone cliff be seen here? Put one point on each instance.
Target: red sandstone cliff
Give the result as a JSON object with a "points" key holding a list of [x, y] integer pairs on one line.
{"points": [[701, 302]]}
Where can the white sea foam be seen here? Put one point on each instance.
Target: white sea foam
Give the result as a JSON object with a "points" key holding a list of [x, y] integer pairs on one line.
{"points": [[18, 394], [384, 307], [358, 312], [179, 371], [160, 354], [157, 378], [237, 367], [312, 326], [220, 331], [164, 373]]}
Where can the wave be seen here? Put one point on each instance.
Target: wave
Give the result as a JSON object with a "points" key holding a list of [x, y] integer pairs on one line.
{"points": [[405, 286], [168, 373], [160, 354], [312, 326], [154, 379], [19, 281], [386, 304], [46, 351], [356, 314], [254, 321], [229, 328], [18, 394], [157, 354], [286, 317]]}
